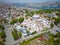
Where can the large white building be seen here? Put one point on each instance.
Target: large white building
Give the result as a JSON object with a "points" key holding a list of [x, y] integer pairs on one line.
{"points": [[36, 23]]}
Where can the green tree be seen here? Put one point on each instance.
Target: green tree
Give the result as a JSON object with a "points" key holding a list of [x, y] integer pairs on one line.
{"points": [[58, 35], [15, 34], [2, 27], [21, 19], [28, 32], [34, 32], [57, 20], [13, 21], [57, 42], [20, 34], [5, 20], [1, 43], [2, 34], [52, 25]]}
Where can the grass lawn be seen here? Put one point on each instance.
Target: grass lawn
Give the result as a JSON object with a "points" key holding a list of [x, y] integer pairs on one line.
{"points": [[45, 29], [35, 39], [25, 43], [29, 41], [51, 40]]}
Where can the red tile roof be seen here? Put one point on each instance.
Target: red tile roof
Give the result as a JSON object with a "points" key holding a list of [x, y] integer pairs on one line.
{"points": [[41, 38]]}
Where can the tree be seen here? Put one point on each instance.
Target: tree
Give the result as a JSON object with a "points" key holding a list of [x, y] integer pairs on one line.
{"points": [[58, 35], [13, 21], [20, 34], [34, 32], [5, 20], [52, 25], [28, 32], [57, 20], [21, 19], [1, 43], [15, 34], [2, 27], [57, 42], [2, 34]]}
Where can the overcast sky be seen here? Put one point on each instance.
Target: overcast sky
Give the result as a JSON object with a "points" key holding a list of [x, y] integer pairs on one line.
{"points": [[27, 1]]}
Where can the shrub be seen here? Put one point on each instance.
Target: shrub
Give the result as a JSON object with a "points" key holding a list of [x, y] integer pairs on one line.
{"points": [[2, 27]]}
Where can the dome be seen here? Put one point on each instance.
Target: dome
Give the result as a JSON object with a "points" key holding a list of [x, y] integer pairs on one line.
{"points": [[36, 16], [18, 27], [23, 28]]}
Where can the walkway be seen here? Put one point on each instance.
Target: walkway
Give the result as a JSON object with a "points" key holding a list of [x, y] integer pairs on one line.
{"points": [[9, 38]]}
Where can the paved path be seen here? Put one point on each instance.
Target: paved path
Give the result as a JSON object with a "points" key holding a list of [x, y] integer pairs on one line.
{"points": [[53, 30], [9, 38]]}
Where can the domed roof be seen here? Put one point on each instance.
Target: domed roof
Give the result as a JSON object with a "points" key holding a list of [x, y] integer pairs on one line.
{"points": [[36, 16], [18, 27], [23, 28]]}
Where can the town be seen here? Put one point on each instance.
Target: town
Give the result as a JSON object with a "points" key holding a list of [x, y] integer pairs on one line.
{"points": [[20, 26]]}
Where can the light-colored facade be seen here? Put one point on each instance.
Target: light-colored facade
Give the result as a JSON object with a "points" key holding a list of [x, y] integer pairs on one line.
{"points": [[36, 23]]}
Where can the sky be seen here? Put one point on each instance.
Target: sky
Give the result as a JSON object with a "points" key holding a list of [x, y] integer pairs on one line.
{"points": [[27, 1]]}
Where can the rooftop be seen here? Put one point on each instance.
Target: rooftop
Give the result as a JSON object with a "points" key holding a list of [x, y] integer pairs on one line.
{"points": [[36, 16]]}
